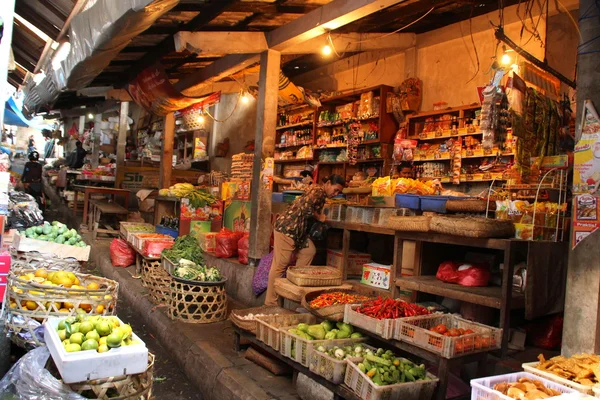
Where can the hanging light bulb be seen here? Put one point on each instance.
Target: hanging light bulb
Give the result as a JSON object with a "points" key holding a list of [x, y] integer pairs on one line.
{"points": [[201, 117], [245, 97], [505, 60], [326, 50], [90, 116]]}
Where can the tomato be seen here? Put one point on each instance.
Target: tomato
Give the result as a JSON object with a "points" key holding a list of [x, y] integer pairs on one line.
{"points": [[454, 332], [442, 328], [469, 332], [447, 334], [477, 342], [485, 342], [458, 347], [461, 331], [434, 329], [467, 343]]}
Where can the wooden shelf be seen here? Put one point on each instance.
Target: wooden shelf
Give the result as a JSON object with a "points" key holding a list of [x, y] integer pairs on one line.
{"points": [[490, 296], [369, 290], [285, 146], [297, 160], [361, 227], [371, 160], [305, 123], [339, 146], [445, 136], [445, 111], [333, 163]]}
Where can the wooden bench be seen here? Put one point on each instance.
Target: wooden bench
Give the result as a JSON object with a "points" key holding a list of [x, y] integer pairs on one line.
{"points": [[97, 209]]}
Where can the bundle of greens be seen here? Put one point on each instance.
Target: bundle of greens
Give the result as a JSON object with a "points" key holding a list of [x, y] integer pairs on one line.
{"points": [[193, 272], [185, 247]]}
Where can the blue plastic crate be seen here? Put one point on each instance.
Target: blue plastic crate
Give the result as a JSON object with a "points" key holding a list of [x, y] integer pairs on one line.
{"points": [[411, 201], [277, 197], [167, 231], [434, 203]]}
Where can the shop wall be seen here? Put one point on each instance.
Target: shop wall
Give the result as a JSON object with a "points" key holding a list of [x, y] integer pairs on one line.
{"points": [[445, 59], [239, 127], [562, 42]]}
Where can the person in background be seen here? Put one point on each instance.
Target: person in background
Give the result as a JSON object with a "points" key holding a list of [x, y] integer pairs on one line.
{"points": [[291, 230], [32, 178], [78, 156], [405, 170], [31, 144], [49, 149]]}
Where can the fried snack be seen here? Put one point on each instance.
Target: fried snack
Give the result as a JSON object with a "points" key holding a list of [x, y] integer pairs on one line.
{"points": [[581, 368], [525, 389]]}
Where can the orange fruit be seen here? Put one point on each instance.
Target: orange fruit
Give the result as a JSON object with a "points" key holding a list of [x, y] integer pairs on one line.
{"points": [[41, 273], [31, 305], [93, 286], [100, 308]]}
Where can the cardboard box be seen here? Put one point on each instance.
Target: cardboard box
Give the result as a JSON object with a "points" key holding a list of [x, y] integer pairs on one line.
{"points": [[376, 275], [382, 201], [356, 261], [21, 243]]}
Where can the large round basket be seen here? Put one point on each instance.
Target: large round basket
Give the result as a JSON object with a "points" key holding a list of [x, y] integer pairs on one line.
{"points": [[29, 260], [157, 280], [250, 324], [470, 205], [333, 313], [472, 227], [29, 304], [198, 303], [314, 276], [125, 387]]}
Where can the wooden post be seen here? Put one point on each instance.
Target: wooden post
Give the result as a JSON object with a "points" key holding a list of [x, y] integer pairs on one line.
{"points": [[96, 142], [266, 119], [121, 141], [166, 161]]}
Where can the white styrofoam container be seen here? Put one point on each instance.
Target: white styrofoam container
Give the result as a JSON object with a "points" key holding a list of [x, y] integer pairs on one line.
{"points": [[88, 365], [482, 388]]}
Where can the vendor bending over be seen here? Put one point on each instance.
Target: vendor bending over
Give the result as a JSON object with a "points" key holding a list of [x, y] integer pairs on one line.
{"points": [[291, 231]]}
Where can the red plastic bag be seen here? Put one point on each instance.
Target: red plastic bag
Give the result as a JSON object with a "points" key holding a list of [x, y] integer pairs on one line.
{"points": [[473, 275], [154, 248], [227, 243], [243, 246], [448, 272], [121, 254], [546, 333]]}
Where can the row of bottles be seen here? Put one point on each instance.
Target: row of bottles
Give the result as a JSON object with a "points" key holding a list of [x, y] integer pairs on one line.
{"points": [[169, 222]]}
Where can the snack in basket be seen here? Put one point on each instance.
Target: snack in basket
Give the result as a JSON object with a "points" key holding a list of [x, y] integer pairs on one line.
{"points": [[97, 333], [525, 388], [390, 309], [581, 368], [336, 298], [325, 331], [384, 368]]}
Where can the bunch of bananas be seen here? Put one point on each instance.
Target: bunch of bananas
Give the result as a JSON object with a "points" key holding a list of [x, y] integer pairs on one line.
{"points": [[198, 197], [181, 189]]}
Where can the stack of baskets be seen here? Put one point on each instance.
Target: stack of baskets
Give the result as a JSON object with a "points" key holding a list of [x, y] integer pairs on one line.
{"points": [[157, 280]]}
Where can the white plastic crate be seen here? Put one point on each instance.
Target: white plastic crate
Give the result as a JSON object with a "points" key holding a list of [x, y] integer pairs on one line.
{"points": [[381, 327], [88, 365], [331, 368], [335, 212], [382, 215], [482, 388], [531, 368], [267, 326], [300, 349], [354, 215], [367, 215], [364, 387]]}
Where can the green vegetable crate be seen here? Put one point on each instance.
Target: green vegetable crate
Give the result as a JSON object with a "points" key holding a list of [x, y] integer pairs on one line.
{"points": [[300, 349], [381, 327], [268, 326], [416, 330], [364, 387], [331, 368]]}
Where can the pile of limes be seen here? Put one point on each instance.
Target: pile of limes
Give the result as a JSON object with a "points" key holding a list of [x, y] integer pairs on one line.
{"points": [[94, 333]]}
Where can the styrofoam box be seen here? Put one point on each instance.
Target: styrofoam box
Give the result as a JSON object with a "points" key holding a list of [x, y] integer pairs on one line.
{"points": [[88, 365], [482, 388]]}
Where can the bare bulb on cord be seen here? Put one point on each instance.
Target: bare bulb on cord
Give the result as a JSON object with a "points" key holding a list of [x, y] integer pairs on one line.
{"points": [[245, 98], [326, 50], [505, 60]]}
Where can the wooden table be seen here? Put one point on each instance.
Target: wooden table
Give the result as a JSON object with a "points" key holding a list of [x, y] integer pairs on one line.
{"points": [[94, 189]]}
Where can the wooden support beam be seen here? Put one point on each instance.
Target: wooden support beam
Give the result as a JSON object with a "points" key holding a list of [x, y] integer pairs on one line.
{"points": [[118, 94], [266, 119], [122, 139], [329, 17], [256, 42], [74, 11], [52, 8], [166, 161], [96, 141], [28, 13]]}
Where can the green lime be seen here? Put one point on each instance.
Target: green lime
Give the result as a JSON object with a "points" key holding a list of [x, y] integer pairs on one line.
{"points": [[92, 335], [85, 327], [103, 348], [114, 339], [76, 338], [104, 328], [89, 344], [72, 348]]}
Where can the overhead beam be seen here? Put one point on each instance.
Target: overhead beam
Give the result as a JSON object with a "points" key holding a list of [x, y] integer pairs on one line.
{"points": [[256, 42], [166, 46], [74, 11], [330, 16], [50, 7], [34, 18], [254, 7]]}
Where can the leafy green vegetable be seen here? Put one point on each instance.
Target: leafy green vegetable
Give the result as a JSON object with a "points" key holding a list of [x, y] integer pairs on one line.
{"points": [[185, 247]]}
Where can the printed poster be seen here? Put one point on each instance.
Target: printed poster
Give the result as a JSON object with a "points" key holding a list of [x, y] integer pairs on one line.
{"points": [[586, 176]]}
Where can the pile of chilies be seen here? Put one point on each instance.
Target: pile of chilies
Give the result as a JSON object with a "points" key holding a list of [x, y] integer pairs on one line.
{"points": [[390, 309]]}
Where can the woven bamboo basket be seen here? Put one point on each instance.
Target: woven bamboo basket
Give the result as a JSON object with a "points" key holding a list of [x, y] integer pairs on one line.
{"points": [[304, 276], [30, 304], [410, 224], [203, 303], [472, 227], [250, 325], [333, 313], [125, 387], [469, 205], [157, 280], [29, 260]]}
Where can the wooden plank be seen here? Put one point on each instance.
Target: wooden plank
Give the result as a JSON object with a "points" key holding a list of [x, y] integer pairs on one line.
{"points": [[370, 290], [166, 161], [220, 42], [346, 236], [397, 262], [266, 121], [290, 291], [361, 227], [490, 296], [121, 140], [510, 256]]}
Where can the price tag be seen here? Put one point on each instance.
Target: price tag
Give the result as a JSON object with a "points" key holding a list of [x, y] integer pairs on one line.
{"points": [[487, 152], [439, 133], [469, 153], [487, 175], [469, 177], [437, 156]]}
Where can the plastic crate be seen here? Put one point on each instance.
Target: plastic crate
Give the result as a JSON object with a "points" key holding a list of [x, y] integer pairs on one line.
{"points": [[331, 368], [411, 201], [277, 197], [364, 387], [354, 215], [482, 388], [335, 212], [368, 214], [531, 368], [300, 349], [267, 327], [381, 327], [416, 330], [174, 233], [382, 215], [434, 203]]}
